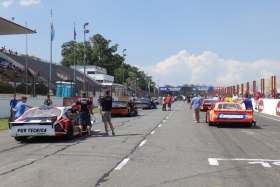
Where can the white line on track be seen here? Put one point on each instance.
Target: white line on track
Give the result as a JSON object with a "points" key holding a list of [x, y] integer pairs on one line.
{"points": [[153, 132], [43, 146], [122, 164], [142, 143], [159, 125], [163, 121], [268, 117]]}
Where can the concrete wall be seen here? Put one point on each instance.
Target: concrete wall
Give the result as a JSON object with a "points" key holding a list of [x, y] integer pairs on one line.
{"points": [[57, 101]]}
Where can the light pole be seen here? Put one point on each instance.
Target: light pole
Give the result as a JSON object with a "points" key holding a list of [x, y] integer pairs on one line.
{"points": [[146, 82], [123, 70], [85, 31], [136, 86]]}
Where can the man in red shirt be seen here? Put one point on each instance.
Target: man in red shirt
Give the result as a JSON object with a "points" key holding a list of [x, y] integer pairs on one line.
{"points": [[256, 100], [169, 101]]}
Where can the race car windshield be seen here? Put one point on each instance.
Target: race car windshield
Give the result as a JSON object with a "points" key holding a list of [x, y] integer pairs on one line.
{"points": [[40, 112], [208, 101], [118, 104], [229, 106]]}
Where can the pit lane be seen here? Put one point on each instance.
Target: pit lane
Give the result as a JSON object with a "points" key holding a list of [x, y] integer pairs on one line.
{"points": [[156, 148]]}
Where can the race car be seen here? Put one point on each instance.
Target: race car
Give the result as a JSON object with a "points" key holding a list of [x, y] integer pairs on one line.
{"points": [[228, 112], [46, 121]]}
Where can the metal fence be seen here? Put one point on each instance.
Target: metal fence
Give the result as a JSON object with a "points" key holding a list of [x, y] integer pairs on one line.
{"points": [[266, 86]]}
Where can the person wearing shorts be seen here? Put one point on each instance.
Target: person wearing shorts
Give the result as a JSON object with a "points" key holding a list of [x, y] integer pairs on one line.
{"points": [[106, 106], [169, 101], [84, 106]]}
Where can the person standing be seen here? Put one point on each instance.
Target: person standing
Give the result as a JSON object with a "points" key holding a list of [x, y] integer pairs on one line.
{"points": [[256, 100], [248, 105], [21, 106], [13, 103], [195, 104], [84, 106], [106, 104], [235, 98], [163, 104], [168, 102], [48, 101]]}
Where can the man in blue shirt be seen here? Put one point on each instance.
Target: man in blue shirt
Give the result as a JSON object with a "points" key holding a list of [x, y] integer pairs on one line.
{"points": [[248, 105], [195, 104], [13, 103], [21, 106]]}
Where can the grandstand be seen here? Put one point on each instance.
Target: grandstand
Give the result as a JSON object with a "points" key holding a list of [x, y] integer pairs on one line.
{"points": [[38, 71]]}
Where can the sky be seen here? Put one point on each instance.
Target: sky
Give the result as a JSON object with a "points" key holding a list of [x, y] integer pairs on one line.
{"points": [[217, 42]]}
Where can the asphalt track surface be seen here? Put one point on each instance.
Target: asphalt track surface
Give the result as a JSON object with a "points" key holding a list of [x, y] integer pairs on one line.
{"points": [[157, 148]]}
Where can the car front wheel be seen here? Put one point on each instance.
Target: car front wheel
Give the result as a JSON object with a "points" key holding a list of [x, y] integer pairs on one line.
{"points": [[21, 138]]}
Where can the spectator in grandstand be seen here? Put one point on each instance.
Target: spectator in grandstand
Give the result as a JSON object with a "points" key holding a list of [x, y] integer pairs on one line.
{"points": [[13, 103], [21, 106], [16, 53], [48, 101], [256, 100]]}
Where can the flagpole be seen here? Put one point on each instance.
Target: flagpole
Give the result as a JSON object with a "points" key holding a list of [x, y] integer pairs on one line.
{"points": [[50, 54], [74, 53], [26, 88]]}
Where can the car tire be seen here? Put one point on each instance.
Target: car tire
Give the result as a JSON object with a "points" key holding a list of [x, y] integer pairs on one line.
{"points": [[209, 122], [21, 138], [247, 125], [70, 132], [129, 113]]}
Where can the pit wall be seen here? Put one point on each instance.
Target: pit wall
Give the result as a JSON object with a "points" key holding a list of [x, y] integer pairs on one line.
{"points": [[57, 101]]}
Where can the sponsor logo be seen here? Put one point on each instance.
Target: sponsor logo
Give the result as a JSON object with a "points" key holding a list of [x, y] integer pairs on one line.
{"points": [[232, 116], [32, 130], [261, 106], [278, 109]]}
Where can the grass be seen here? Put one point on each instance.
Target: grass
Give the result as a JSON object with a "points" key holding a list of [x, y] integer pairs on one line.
{"points": [[4, 121], [3, 124]]}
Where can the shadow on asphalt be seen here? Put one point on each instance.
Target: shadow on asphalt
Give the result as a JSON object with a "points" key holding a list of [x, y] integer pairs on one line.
{"points": [[237, 126]]}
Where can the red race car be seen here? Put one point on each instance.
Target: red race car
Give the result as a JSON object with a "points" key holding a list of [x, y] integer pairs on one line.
{"points": [[46, 121], [206, 104]]}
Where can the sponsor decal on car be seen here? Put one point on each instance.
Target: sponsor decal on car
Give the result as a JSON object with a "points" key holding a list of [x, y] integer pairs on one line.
{"points": [[278, 109], [32, 130], [232, 116]]}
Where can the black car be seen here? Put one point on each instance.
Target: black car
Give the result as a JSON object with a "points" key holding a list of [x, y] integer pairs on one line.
{"points": [[143, 103]]}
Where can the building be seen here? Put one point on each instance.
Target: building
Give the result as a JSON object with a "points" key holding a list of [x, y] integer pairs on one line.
{"points": [[97, 73]]}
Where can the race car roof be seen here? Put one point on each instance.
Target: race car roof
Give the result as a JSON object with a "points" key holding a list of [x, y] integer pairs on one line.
{"points": [[8, 28]]}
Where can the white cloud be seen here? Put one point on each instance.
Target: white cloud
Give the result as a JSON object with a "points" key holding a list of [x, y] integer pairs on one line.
{"points": [[7, 3], [29, 2], [209, 69]]}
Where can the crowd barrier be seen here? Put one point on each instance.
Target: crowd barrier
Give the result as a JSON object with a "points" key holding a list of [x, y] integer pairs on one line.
{"points": [[268, 106]]}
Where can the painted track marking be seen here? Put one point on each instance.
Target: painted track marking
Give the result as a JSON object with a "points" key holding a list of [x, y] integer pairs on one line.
{"points": [[122, 164], [142, 143], [153, 132]]}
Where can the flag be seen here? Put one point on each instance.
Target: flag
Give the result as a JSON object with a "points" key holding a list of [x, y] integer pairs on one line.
{"points": [[52, 30], [75, 33]]}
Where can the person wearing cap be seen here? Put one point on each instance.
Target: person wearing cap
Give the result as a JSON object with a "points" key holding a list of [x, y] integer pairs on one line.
{"points": [[106, 106], [84, 106], [195, 104], [13, 103], [48, 101]]}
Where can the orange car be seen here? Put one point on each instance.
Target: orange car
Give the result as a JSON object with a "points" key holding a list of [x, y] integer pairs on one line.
{"points": [[228, 112], [121, 108]]}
